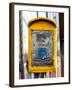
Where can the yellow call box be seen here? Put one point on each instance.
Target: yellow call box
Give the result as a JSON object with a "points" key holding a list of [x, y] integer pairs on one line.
{"points": [[42, 45]]}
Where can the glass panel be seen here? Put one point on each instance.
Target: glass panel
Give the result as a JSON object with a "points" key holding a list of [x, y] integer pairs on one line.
{"points": [[42, 48]]}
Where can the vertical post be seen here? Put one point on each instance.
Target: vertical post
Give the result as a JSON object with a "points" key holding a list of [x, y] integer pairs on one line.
{"points": [[21, 66], [37, 13], [58, 70], [46, 14], [53, 74], [61, 25]]}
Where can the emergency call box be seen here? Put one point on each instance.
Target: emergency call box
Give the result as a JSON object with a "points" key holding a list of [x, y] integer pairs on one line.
{"points": [[42, 45]]}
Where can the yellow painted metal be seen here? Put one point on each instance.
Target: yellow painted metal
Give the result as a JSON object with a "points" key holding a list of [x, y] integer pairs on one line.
{"points": [[39, 24]]}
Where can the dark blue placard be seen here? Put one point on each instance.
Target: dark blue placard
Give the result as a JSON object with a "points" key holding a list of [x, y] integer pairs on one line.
{"points": [[42, 53]]}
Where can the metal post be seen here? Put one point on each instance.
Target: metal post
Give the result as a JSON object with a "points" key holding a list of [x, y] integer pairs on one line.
{"points": [[21, 66]]}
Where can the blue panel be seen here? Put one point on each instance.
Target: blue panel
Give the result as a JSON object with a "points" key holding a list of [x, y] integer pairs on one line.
{"points": [[42, 53]]}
